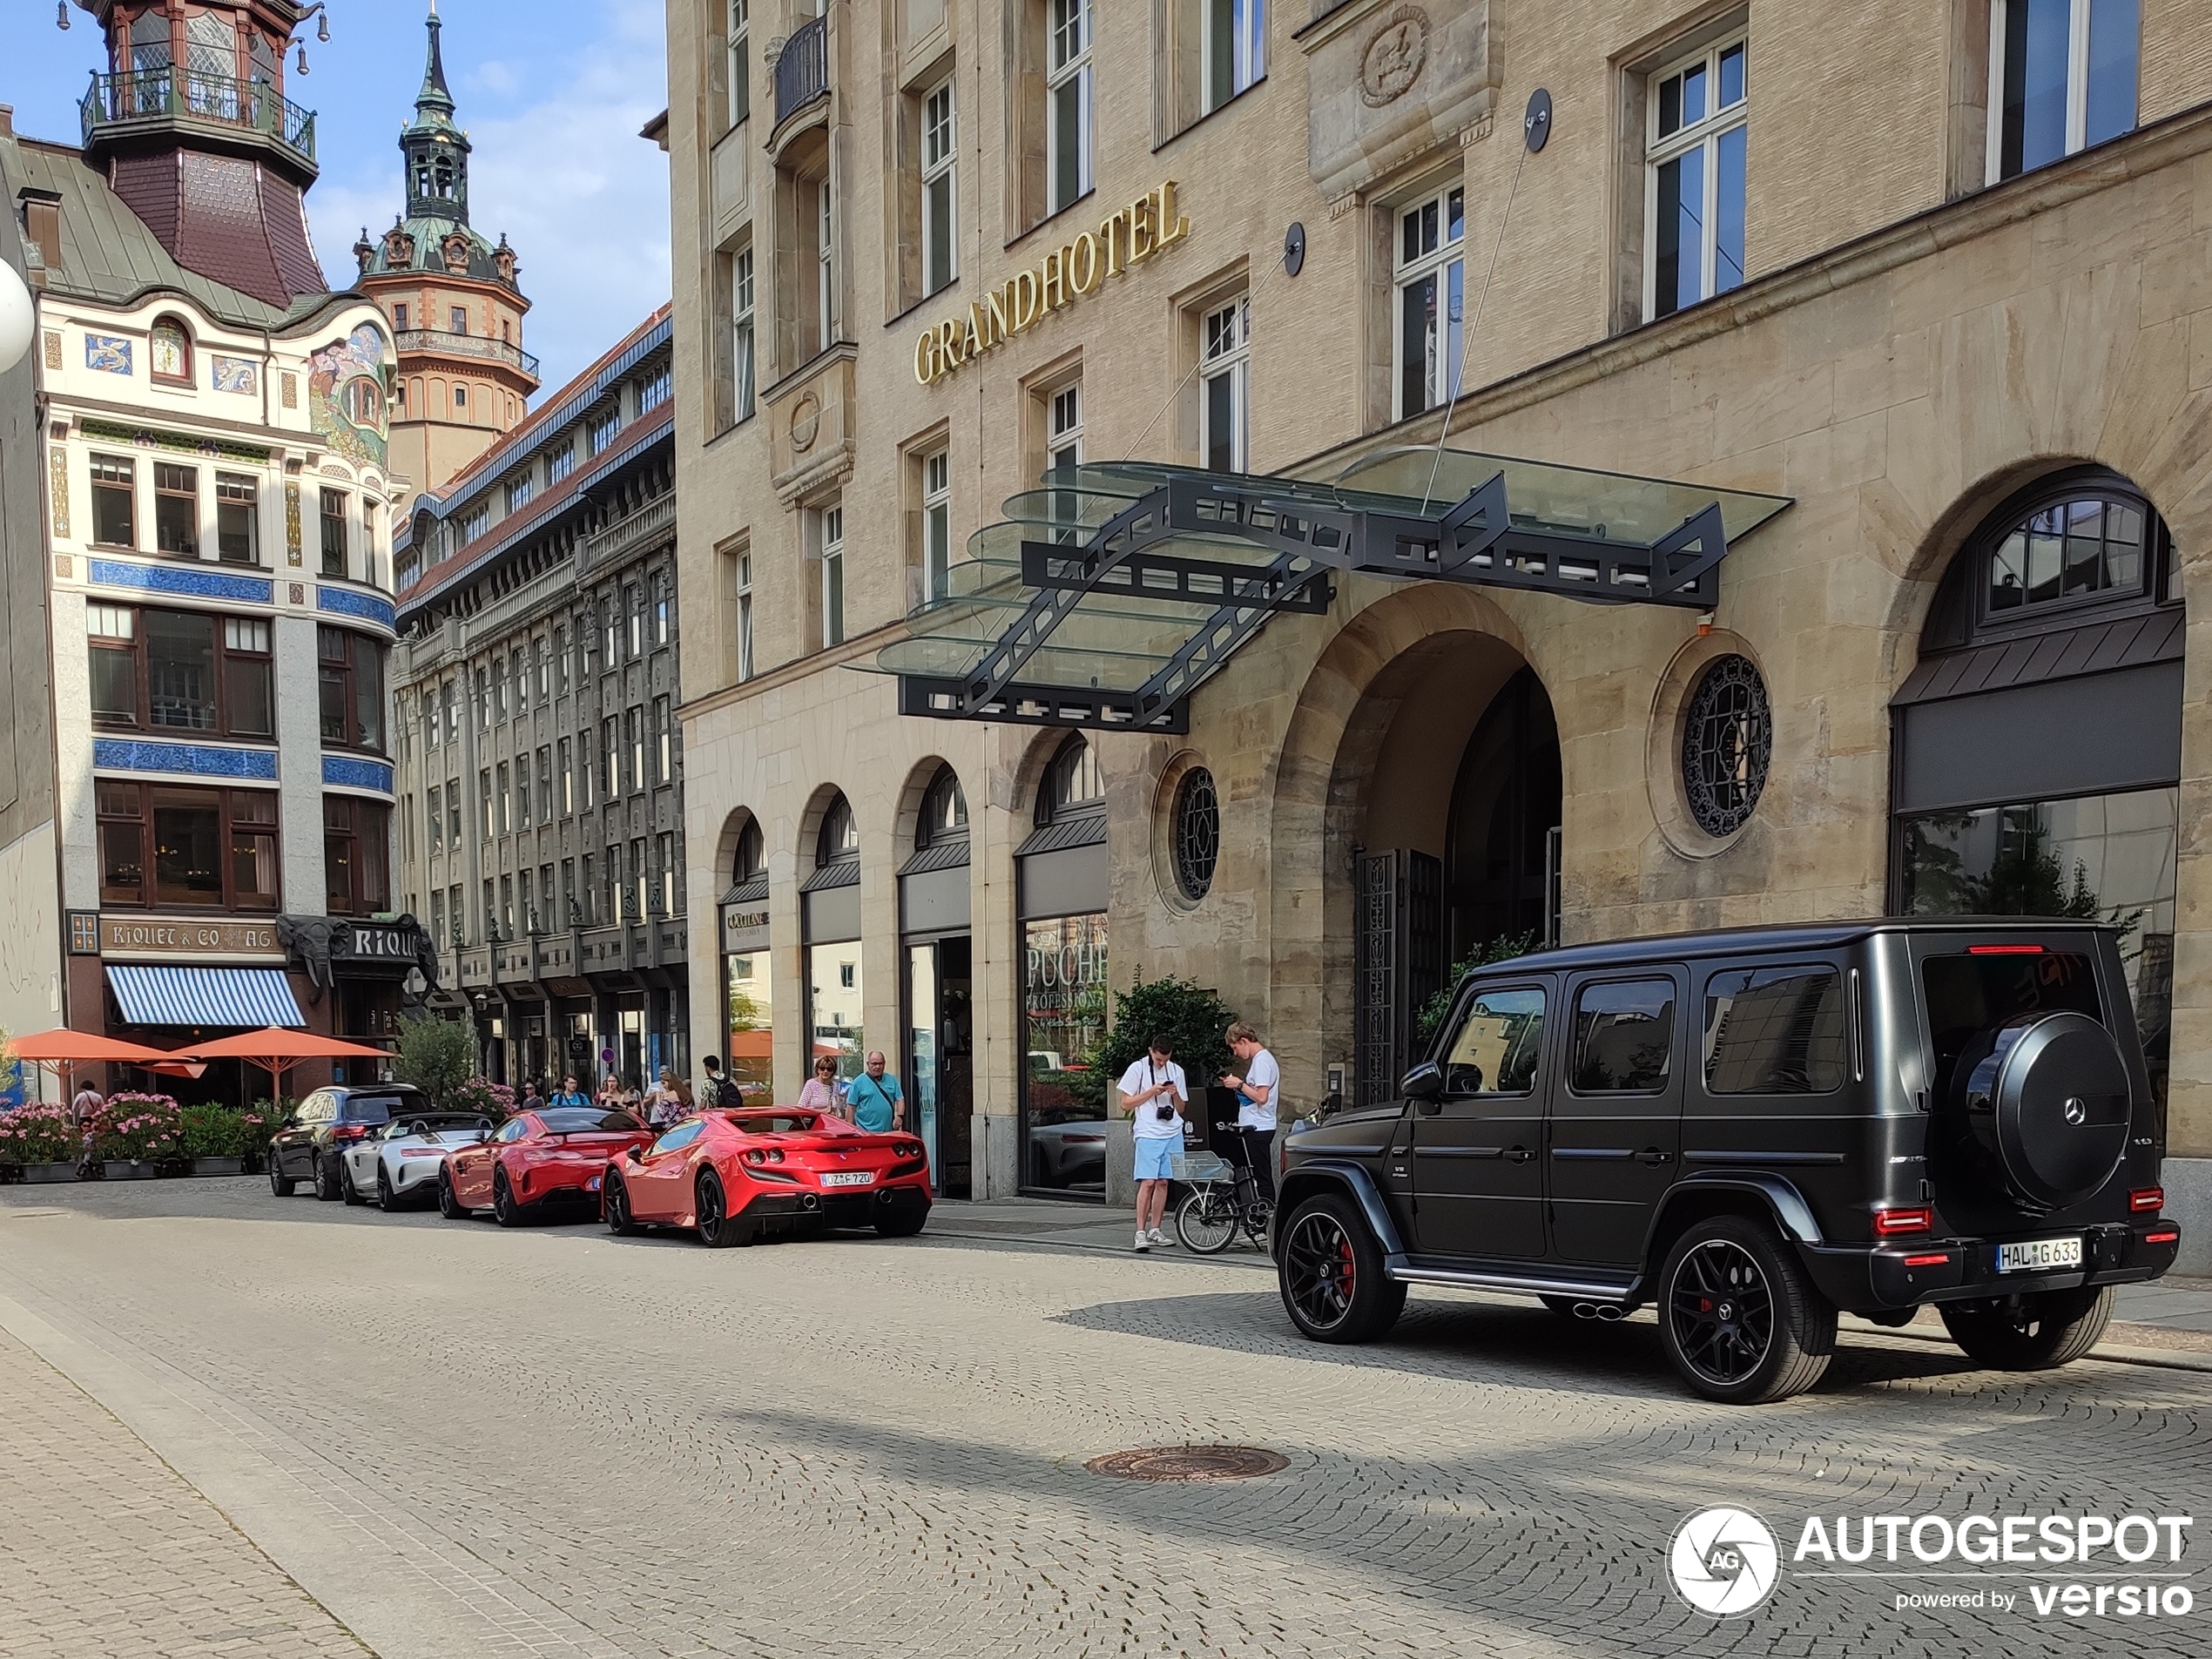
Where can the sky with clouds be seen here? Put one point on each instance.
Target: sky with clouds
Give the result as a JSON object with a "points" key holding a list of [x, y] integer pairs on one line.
{"points": [[552, 93]]}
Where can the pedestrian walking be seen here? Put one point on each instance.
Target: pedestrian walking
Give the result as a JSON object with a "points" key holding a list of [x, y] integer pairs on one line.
{"points": [[86, 1104], [1153, 1094], [873, 1098], [531, 1100], [718, 1093], [819, 1094], [1256, 1103], [569, 1095]]}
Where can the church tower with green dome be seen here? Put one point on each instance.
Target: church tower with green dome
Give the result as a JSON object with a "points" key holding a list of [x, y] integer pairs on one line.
{"points": [[451, 293]]}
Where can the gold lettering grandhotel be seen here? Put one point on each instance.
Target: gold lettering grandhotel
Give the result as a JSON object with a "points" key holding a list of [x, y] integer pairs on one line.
{"points": [[1291, 495]]}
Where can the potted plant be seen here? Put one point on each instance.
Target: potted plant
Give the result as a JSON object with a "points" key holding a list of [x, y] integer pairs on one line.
{"points": [[41, 1142], [132, 1134], [214, 1138]]}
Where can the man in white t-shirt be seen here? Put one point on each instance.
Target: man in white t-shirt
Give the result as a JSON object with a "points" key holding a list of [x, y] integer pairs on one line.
{"points": [[1153, 1094], [1255, 1102]]}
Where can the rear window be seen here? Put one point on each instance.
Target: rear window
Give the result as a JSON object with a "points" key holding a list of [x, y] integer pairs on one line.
{"points": [[575, 1120], [1774, 1031], [357, 1110], [1970, 994], [774, 1124]]}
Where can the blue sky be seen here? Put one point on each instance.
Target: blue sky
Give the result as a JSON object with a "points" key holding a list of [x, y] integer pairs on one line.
{"points": [[552, 93]]}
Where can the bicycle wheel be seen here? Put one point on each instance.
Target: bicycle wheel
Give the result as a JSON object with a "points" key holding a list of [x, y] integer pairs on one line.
{"points": [[1205, 1222]]}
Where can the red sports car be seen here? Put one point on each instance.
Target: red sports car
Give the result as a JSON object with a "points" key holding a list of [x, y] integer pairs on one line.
{"points": [[735, 1175], [537, 1163]]}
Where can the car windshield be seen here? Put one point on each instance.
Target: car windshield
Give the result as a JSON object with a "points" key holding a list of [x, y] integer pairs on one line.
{"points": [[776, 1123], [577, 1120]]}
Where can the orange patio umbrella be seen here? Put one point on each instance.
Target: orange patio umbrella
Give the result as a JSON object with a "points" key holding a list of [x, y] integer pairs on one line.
{"points": [[276, 1051], [62, 1049]]}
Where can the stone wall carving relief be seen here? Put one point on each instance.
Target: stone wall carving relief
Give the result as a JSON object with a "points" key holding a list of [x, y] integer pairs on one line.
{"points": [[1388, 82]]}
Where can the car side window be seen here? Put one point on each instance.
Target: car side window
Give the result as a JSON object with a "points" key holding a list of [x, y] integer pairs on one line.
{"points": [[1777, 1031], [1495, 1049], [682, 1136], [1624, 1037], [513, 1129]]}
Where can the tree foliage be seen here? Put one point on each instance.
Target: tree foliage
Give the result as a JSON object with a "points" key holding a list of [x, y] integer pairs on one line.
{"points": [[437, 1055], [1433, 1011], [1184, 1013]]}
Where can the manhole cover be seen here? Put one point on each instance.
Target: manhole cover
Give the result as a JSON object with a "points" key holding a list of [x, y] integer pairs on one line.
{"points": [[1188, 1463]]}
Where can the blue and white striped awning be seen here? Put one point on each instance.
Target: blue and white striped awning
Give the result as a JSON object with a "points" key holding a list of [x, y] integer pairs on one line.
{"points": [[243, 998]]}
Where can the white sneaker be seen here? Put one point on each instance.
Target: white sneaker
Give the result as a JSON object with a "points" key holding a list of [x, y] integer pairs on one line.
{"points": [[1156, 1236], [1142, 1244]]}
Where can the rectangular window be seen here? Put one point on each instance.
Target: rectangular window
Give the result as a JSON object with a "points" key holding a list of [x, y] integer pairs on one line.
{"points": [[237, 519], [561, 462], [741, 337], [939, 262], [491, 909], [507, 907], [587, 894], [458, 318], [937, 525], [350, 674], [434, 817], [181, 689], [453, 822], [1236, 48], [739, 43], [833, 531], [114, 519], [561, 661], [663, 610], [652, 393], [663, 742], [633, 604], [457, 920], [334, 532], [585, 771], [476, 522], [176, 509], [633, 732], [1432, 298], [2062, 77], [529, 902], [483, 793], [399, 316], [1063, 453], [1624, 1037], [438, 919], [211, 847], [356, 860], [744, 615], [1225, 388], [824, 266], [567, 777], [450, 696], [505, 794], [667, 860], [111, 636], [612, 620], [545, 649], [640, 878], [601, 433], [1694, 181], [568, 893], [609, 757], [1068, 114], [519, 492], [495, 682], [523, 791], [249, 678], [544, 783]]}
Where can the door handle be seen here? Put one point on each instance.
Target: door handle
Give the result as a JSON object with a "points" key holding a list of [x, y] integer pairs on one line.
{"points": [[1518, 1155], [1653, 1155]]}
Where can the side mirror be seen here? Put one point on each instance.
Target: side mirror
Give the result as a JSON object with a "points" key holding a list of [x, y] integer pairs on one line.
{"points": [[632, 1155], [1424, 1082]]}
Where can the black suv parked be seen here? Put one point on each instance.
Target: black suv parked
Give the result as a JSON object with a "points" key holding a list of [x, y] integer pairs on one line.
{"points": [[307, 1147], [1752, 1131]]}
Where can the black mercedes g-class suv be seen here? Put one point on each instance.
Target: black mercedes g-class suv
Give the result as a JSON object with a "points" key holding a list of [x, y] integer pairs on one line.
{"points": [[1751, 1131]]}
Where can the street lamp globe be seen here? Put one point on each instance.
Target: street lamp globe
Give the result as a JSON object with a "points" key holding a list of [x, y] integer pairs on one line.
{"points": [[16, 318]]}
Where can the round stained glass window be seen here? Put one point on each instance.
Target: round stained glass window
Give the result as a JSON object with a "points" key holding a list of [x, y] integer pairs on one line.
{"points": [[1727, 740], [1198, 833]]}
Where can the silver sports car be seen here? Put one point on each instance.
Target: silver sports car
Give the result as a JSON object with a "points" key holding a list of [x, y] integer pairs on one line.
{"points": [[398, 1164]]}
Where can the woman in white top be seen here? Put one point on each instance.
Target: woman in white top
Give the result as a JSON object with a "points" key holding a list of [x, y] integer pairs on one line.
{"points": [[1255, 1102], [1153, 1094]]}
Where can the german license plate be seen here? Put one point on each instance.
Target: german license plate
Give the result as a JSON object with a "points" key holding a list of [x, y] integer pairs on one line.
{"points": [[2039, 1255], [849, 1179]]}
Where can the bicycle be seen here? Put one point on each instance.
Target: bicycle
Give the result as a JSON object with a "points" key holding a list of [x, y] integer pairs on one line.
{"points": [[1208, 1219]]}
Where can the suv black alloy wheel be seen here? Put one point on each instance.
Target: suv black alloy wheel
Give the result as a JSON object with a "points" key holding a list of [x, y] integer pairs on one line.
{"points": [[1332, 1280], [1739, 1321], [2034, 1332]]}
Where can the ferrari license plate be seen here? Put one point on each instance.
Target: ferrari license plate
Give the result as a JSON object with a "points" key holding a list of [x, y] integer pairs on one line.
{"points": [[2039, 1255], [849, 1179]]}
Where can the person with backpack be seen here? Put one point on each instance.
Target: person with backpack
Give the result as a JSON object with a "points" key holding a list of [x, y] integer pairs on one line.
{"points": [[718, 1093]]}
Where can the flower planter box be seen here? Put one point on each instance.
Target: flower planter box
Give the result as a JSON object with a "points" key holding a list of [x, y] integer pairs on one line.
{"points": [[219, 1166], [41, 1174], [125, 1169]]}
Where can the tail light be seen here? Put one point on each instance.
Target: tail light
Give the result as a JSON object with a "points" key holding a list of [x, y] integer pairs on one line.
{"points": [[2167, 1237], [1893, 1223], [350, 1132], [2146, 1201], [2004, 950], [754, 1155], [1936, 1259]]}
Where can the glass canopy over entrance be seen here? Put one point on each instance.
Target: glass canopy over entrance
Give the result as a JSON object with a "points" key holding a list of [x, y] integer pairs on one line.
{"points": [[1113, 591]]}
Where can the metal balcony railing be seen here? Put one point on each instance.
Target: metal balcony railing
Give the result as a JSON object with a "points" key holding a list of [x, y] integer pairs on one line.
{"points": [[119, 100], [802, 68], [498, 351]]}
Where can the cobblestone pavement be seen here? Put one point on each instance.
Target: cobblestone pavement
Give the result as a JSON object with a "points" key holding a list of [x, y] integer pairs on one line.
{"points": [[464, 1439]]}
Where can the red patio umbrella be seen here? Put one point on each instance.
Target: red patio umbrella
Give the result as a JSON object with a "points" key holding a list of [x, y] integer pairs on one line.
{"points": [[276, 1051]]}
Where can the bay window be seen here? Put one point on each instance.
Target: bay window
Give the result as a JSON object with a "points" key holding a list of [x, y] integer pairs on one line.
{"points": [[356, 856], [351, 687], [180, 671]]}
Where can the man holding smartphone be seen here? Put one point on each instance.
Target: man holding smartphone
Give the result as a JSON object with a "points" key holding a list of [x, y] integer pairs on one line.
{"points": [[1153, 1094], [1256, 1103]]}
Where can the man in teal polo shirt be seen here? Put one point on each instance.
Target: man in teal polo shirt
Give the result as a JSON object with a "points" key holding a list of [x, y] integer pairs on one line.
{"points": [[873, 1096]]}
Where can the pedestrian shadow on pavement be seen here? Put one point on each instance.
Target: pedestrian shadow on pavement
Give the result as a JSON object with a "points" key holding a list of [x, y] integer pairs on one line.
{"points": [[1480, 1342]]}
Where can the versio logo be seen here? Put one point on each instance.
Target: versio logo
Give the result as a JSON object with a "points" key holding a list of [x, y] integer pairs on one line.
{"points": [[1724, 1562]]}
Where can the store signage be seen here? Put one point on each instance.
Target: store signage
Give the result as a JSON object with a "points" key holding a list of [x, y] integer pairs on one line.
{"points": [[1123, 240], [164, 936], [377, 944], [744, 929]]}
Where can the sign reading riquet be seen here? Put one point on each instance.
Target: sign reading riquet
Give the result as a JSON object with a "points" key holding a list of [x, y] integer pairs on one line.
{"points": [[1127, 238]]}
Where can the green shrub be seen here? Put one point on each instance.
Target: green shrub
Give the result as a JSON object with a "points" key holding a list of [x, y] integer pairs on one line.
{"points": [[211, 1131], [1433, 1011], [1181, 1011], [438, 1056]]}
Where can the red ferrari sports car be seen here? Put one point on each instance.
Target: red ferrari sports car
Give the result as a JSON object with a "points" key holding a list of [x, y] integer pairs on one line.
{"points": [[536, 1163], [735, 1175]]}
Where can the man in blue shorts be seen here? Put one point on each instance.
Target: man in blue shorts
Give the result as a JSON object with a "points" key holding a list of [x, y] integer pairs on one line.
{"points": [[1153, 1095]]}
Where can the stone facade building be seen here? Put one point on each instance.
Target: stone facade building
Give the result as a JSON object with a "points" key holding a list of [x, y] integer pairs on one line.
{"points": [[1911, 296], [217, 493], [540, 770]]}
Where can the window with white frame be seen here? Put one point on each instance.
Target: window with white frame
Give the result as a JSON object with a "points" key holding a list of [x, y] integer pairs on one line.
{"points": [[1065, 452], [744, 615], [940, 264], [937, 525], [2062, 76], [832, 520], [1224, 385], [741, 352], [1068, 97], [1432, 300], [1236, 48], [561, 462], [1695, 142], [738, 43], [825, 265]]}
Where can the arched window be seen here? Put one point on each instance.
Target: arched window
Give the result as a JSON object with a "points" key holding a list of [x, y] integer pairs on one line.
{"points": [[1072, 783], [751, 861], [443, 170], [944, 811], [841, 837], [169, 348]]}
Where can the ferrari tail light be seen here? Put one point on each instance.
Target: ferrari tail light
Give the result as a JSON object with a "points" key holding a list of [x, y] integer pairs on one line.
{"points": [[1891, 1224], [2146, 1201], [754, 1155], [775, 1155]]}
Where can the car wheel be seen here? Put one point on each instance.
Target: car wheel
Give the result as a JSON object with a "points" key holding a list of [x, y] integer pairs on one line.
{"points": [[347, 1188], [280, 1184], [718, 1229], [614, 1209], [505, 1210], [1206, 1223], [2031, 1333], [901, 1219], [327, 1176], [1331, 1274], [1741, 1323], [387, 1200], [448, 1202]]}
